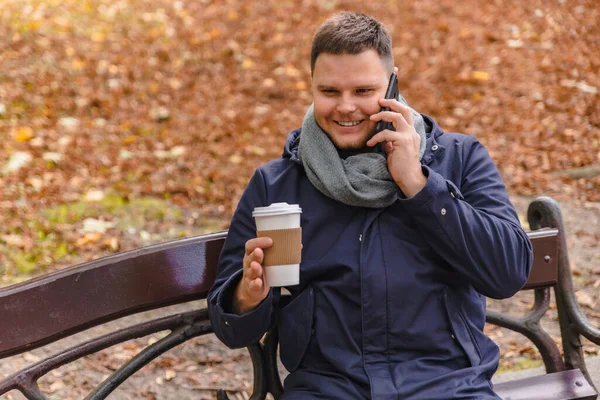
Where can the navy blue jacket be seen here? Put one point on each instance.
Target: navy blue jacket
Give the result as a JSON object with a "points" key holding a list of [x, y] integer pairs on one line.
{"points": [[391, 302]]}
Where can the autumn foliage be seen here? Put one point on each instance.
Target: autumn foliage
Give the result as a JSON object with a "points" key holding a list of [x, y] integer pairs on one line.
{"points": [[181, 100]]}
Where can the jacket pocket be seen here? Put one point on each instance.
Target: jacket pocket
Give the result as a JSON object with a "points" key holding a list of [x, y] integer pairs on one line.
{"points": [[295, 329], [460, 329]]}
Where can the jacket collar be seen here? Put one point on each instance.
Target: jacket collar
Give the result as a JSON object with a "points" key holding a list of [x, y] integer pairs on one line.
{"points": [[433, 148]]}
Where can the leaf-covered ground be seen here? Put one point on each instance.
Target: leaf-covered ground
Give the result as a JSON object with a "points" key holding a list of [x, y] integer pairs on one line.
{"points": [[182, 100], [133, 121]]}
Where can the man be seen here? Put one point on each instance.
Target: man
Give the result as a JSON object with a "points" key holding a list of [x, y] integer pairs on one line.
{"points": [[400, 245]]}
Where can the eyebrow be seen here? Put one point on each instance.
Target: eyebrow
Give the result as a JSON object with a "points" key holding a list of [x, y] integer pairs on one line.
{"points": [[365, 86]]}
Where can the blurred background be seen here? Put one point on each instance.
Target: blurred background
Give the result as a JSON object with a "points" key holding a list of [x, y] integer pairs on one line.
{"points": [[128, 122], [124, 122]]}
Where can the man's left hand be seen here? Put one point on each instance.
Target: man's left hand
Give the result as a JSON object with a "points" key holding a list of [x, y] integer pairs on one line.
{"points": [[402, 147]]}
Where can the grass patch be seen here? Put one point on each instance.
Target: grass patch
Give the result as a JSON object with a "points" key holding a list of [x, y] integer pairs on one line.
{"points": [[126, 213], [55, 236]]}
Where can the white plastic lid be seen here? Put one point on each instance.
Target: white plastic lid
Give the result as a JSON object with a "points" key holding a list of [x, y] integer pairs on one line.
{"points": [[277, 209]]}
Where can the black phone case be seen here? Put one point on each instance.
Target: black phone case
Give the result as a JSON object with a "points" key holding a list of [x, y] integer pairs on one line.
{"points": [[391, 93]]}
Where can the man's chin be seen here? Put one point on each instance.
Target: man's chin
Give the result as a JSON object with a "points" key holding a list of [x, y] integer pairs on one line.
{"points": [[356, 145], [351, 146]]}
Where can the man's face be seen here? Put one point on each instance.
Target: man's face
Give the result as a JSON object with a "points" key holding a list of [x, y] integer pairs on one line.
{"points": [[346, 89]]}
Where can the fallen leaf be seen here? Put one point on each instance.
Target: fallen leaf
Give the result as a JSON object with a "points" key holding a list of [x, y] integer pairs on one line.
{"points": [[232, 15], [259, 151], [56, 385], [175, 84], [89, 238], [14, 240], [584, 87], [92, 225], [31, 358], [268, 83], [236, 159], [214, 33], [160, 114], [69, 123], [112, 244], [514, 44], [170, 374], [94, 196], [527, 349], [17, 161], [52, 157], [247, 63], [480, 76], [584, 299], [98, 37], [125, 154], [36, 183], [177, 151], [23, 134]]}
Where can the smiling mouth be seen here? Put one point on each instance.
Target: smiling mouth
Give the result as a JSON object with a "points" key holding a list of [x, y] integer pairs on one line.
{"points": [[348, 123]]}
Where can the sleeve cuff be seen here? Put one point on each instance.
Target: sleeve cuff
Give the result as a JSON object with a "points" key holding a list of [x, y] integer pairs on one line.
{"points": [[249, 327], [435, 185]]}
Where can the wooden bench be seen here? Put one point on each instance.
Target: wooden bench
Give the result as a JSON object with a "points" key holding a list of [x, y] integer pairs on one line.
{"points": [[60, 304]]}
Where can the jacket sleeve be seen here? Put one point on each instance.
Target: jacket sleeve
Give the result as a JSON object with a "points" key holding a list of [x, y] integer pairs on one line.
{"points": [[476, 230], [233, 330]]}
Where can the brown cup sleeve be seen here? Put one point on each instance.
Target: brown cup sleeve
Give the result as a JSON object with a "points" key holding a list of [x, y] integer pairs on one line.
{"points": [[286, 249]]}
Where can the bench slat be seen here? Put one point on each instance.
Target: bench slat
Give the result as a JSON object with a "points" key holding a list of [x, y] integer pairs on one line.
{"points": [[59, 304], [565, 385]]}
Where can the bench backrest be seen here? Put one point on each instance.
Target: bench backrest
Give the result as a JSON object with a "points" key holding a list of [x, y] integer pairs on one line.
{"points": [[62, 303], [59, 304]]}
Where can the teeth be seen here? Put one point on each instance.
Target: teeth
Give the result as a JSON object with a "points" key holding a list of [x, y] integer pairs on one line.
{"points": [[349, 123]]}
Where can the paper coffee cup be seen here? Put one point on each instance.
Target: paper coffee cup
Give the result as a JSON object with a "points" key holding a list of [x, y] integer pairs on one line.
{"points": [[280, 222]]}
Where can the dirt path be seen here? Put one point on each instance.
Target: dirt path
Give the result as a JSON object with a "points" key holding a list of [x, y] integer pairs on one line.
{"points": [[194, 369]]}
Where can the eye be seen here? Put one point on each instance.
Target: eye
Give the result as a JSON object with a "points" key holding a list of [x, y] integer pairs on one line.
{"points": [[329, 92], [364, 91]]}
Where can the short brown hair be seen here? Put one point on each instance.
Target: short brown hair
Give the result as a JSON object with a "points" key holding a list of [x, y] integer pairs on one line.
{"points": [[352, 33]]}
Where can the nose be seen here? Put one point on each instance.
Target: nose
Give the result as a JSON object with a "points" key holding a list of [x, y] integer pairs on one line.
{"points": [[346, 104]]}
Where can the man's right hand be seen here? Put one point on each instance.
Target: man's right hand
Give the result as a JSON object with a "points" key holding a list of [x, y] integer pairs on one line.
{"points": [[252, 289]]}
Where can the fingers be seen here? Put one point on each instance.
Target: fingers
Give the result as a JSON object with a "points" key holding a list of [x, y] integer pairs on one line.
{"points": [[253, 270], [395, 108], [259, 242], [385, 136], [394, 117], [256, 285], [388, 147], [400, 137], [254, 252]]}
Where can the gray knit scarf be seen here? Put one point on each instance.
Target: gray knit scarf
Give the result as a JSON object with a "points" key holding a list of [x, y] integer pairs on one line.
{"points": [[361, 180]]}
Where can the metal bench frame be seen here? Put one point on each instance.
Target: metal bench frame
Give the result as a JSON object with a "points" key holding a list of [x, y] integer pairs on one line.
{"points": [[57, 305]]}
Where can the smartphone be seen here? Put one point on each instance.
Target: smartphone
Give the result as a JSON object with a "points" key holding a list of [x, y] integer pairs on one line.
{"points": [[390, 93]]}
